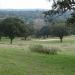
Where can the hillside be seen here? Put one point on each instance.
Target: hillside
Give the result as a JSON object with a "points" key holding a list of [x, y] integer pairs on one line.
{"points": [[30, 15]]}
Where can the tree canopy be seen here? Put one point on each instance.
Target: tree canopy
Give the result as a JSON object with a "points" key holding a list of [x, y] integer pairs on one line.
{"points": [[63, 5], [11, 27], [59, 30]]}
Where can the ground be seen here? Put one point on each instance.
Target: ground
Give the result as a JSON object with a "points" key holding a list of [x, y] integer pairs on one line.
{"points": [[17, 59]]}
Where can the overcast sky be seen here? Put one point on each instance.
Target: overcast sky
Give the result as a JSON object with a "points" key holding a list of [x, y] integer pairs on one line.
{"points": [[25, 4]]}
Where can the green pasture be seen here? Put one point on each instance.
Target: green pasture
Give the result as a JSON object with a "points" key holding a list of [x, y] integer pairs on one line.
{"points": [[17, 59]]}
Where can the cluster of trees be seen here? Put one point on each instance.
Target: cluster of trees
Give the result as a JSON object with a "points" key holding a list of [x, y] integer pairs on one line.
{"points": [[59, 7], [14, 27], [57, 30]]}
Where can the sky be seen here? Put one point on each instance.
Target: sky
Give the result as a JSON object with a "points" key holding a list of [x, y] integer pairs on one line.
{"points": [[25, 4]]}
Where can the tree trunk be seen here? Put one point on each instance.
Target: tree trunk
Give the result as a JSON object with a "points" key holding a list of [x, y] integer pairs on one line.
{"points": [[0, 38], [61, 39], [47, 36], [11, 40], [44, 37], [25, 38]]}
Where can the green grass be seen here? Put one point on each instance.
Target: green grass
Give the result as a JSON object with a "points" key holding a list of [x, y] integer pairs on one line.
{"points": [[17, 59]]}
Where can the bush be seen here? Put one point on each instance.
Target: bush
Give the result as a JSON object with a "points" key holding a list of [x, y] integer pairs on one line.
{"points": [[45, 50]]}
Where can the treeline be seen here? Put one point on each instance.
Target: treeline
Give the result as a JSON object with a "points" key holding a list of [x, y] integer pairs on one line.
{"points": [[28, 15], [15, 27]]}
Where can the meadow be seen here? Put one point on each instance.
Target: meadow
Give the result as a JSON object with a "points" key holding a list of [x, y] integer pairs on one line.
{"points": [[17, 59]]}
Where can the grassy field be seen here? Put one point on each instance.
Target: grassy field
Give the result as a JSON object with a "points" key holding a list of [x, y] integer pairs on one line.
{"points": [[17, 59]]}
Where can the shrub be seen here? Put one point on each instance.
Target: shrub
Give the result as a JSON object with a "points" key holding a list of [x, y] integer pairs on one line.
{"points": [[45, 50]]}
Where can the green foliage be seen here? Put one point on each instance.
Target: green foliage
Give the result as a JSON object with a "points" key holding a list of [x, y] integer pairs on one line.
{"points": [[71, 20], [63, 5], [45, 50], [11, 27], [71, 23], [26, 30], [45, 31], [1, 33], [59, 30]]}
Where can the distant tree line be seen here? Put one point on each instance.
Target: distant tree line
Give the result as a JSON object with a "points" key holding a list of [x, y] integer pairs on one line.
{"points": [[14, 27]]}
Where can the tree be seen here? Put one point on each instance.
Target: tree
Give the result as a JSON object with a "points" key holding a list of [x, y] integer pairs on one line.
{"points": [[38, 24], [60, 7], [71, 23], [11, 27], [63, 5], [71, 20], [59, 30], [45, 31], [26, 30], [1, 33]]}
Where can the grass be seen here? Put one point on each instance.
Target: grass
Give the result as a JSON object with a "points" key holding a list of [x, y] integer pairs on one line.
{"points": [[17, 59], [45, 50]]}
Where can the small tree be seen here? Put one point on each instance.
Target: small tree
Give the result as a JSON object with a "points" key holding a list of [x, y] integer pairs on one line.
{"points": [[60, 31], [45, 31], [71, 20], [11, 27], [26, 30], [1, 33], [71, 23]]}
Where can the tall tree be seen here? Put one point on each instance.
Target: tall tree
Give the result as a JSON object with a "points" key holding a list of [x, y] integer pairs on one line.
{"points": [[63, 5]]}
